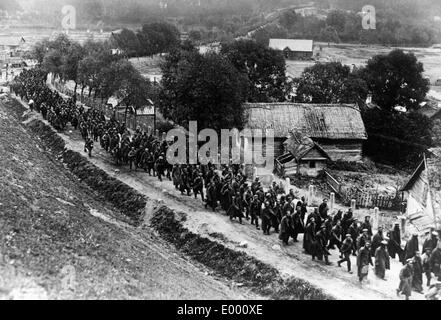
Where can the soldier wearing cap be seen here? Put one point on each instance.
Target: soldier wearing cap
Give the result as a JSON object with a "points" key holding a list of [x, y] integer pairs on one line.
{"points": [[367, 225], [417, 279], [376, 240], [382, 260], [406, 274], [346, 249], [363, 239], [435, 261], [364, 259], [431, 242], [411, 247], [426, 265]]}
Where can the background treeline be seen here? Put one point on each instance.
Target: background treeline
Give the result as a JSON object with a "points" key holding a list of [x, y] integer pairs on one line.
{"points": [[399, 22], [152, 38]]}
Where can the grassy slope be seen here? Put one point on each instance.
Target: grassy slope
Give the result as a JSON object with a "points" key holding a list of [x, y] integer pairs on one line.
{"points": [[46, 225]]}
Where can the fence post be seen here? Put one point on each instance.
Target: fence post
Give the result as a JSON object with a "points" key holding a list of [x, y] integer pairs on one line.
{"points": [[287, 185], [403, 225], [332, 202], [376, 223], [310, 195], [353, 204]]}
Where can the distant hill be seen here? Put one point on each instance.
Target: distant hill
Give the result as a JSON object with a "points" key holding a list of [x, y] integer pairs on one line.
{"points": [[10, 5]]}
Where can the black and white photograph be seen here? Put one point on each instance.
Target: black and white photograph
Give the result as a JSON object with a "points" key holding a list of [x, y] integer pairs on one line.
{"points": [[246, 151]]}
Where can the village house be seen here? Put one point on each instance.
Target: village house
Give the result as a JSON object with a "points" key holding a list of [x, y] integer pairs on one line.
{"points": [[337, 130], [294, 49], [12, 45], [423, 193]]}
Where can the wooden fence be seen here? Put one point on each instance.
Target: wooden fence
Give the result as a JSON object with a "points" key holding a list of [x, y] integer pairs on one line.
{"points": [[364, 199]]}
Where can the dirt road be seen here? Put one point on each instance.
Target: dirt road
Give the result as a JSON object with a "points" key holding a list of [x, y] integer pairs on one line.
{"points": [[59, 242], [290, 261]]}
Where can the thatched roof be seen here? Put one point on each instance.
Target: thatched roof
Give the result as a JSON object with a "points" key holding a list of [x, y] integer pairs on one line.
{"points": [[330, 121]]}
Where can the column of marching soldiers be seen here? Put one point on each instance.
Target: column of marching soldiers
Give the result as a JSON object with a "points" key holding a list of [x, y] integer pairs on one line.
{"points": [[228, 188]]}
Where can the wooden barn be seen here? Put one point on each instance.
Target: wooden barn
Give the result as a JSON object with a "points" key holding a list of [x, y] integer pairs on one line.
{"points": [[302, 157], [337, 128], [294, 49], [423, 191]]}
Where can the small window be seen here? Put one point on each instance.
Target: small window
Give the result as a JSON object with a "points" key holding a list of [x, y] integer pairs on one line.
{"points": [[312, 164]]}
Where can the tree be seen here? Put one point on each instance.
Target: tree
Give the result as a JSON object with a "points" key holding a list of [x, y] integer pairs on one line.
{"points": [[134, 91], [337, 20], [195, 35], [205, 88], [56, 51], [396, 79], [288, 19], [330, 82], [97, 57], [397, 138], [112, 77], [329, 34], [70, 64], [39, 50], [158, 37], [128, 40], [264, 67]]}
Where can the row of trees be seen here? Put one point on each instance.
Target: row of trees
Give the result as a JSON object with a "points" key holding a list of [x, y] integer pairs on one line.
{"points": [[92, 66]]}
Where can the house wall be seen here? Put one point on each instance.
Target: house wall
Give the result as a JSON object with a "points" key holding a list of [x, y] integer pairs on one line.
{"points": [[298, 55], [344, 150], [420, 189], [306, 170]]}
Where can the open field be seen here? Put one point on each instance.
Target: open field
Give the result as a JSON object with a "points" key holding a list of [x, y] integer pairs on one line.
{"points": [[358, 55]]}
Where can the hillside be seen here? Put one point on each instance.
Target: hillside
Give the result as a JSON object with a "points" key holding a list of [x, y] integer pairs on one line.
{"points": [[10, 6], [60, 240]]}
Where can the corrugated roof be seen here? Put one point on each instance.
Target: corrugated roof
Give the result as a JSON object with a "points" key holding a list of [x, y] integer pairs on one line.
{"points": [[301, 45], [329, 121]]}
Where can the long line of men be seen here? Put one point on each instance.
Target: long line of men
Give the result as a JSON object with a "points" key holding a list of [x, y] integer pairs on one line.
{"points": [[226, 188]]}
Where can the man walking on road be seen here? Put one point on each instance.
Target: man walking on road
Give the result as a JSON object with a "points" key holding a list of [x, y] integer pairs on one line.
{"points": [[346, 249], [364, 259]]}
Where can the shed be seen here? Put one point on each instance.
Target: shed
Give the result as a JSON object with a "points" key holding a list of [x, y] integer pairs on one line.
{"points": [[423, 192], [302, 157], [294, 49]]}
